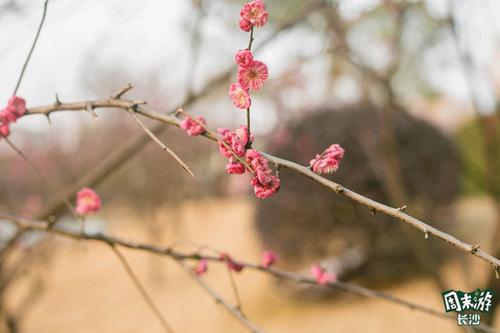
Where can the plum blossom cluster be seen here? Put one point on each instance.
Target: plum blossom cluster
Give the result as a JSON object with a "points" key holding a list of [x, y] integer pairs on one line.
{"points": [[328, 161], [253, 14], [322, 276], [251, 73], [233, 144], [16, 108], [193, 127], [87, 202]]}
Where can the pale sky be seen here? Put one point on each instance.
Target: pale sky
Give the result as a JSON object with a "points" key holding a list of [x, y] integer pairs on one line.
{"points": [[143, 40]]}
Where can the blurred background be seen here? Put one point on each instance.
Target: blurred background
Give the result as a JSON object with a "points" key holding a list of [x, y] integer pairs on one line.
{"points": [[411, 90]]}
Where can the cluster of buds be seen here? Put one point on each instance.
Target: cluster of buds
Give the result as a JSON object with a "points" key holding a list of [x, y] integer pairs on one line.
{"points": [[15, 109]]}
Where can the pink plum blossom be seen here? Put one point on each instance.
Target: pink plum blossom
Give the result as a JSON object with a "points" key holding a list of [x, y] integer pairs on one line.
{"points": [[202, 267], [322, 277], [4, 129], [239, 96], [245, 24], [17, 105], [235, 167], [244, 58], [328, 161], [264, 191], [255, 12], [231, 264], [264, 182], [192, 127], [269, 258], [236, 139], [87, 201], [253, 76]]}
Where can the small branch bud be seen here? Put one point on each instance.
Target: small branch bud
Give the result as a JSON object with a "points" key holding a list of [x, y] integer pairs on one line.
{"points": [[474, 248]]}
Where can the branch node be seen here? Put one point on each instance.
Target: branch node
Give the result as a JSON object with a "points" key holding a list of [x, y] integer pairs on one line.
{"points": [[339, 188], [426, 234], [402, 208], [373, 210], [122, 91], [90, 109], [474, 248], [177, 112]]}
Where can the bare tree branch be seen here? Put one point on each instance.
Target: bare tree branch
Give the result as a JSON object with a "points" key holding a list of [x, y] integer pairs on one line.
{"points": [[30, 224], [373, 205]]}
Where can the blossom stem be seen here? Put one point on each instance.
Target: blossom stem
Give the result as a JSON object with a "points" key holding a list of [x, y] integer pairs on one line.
{"points": [[251, 40], [249, 142]]}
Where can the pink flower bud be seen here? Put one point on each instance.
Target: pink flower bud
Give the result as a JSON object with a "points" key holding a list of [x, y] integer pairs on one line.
{"points": [[192, 127], [234, 167], [328, 161], [243, 58], [322, 277], [231, 264], [245, 25], [17, 105], [269, 258], [87, 202], [202, 267]]}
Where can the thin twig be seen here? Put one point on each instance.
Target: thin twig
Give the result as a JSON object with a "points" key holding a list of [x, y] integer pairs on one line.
{"points": [[30, 224], [236, 293], [141, 289], [40, 173], [233, 310], [155, 139], [45, 5]]}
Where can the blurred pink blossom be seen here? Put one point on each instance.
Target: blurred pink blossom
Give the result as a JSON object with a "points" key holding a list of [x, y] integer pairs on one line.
{"points": [[322, 276], [231, 264], [202, 267], [269, 258], [87, 201]]}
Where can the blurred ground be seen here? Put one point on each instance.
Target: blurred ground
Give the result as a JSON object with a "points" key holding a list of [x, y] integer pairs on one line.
{"points": [[88, 291]]}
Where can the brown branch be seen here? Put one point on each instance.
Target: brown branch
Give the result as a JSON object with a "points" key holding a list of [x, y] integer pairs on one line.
{"points": [[124, 153], [30, 224], [279, 162], [161, 144]]}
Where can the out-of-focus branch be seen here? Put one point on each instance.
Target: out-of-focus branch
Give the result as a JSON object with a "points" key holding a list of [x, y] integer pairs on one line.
{"points": [[374, 206], [40, 26], [141, 289], [233, 310], [29, 224]]}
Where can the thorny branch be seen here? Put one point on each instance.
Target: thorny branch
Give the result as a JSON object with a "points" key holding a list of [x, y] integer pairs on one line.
{"points": [[34, 225], [373, 205]]}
